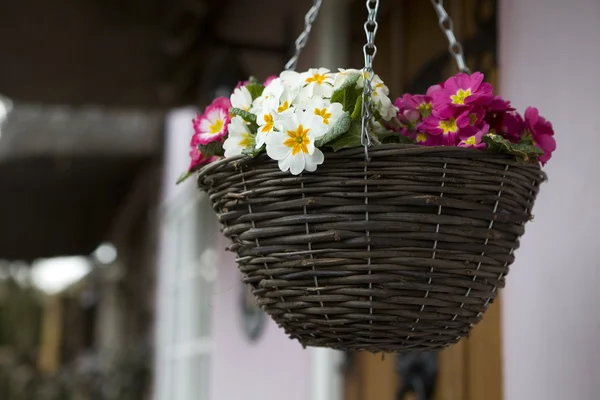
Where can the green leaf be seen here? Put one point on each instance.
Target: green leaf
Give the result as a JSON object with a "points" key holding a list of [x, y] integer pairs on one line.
{"points": [[349, 139], [183, 177], [522, 150], [347, 93], [393, 137], [340, 127], [357, 112], [246, 116], [211, 149], [253, 151], [255, 89]]}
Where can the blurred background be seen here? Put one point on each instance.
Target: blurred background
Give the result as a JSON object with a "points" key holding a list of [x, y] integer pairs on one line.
{"points": [[114, 282]]}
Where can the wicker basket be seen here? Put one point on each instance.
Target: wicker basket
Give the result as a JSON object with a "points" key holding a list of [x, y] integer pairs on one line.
{"points": [[401, 253]]}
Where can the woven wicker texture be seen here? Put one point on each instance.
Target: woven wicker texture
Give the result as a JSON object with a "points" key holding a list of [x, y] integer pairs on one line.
{"points": [[401, 253]]}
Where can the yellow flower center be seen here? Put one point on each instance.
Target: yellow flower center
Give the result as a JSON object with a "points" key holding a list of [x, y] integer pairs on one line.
{"points": [[460, 96], [247, 140], [448, 126], [217, 127], [319, 79], [472, 141], [268, 127], [425, 109], [323, 114], [283, 107], [298, 140], [421, 137]]}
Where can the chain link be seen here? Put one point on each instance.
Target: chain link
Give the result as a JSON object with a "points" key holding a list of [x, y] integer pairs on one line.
{"points": [[369, 51], [309, 19], [447, 27]]}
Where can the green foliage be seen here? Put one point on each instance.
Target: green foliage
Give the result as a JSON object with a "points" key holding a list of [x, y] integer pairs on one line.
{"points": [[349, 139], [255, 89], [523, 151], [246, 116], [183, 177], [340, 127], [252, 151], [212, 149], [347, 94]]}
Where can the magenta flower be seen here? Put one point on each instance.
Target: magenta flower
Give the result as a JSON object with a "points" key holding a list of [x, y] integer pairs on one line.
{"points": [[432, 89], [425, 139], [198, 159], [448, 127], [212, 125], [270, 79], [473, 135], [241, 83], [222, 102], [421, 103], [540, 132], [511, 126], [463, 90], [498, 104]]}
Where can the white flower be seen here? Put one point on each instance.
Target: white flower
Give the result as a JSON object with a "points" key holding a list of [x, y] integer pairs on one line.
{"points": [[341, 76], [241, 98], [324, 112], [382, 102], [294, 147], [266, 117], [275, 107], [317, 81], [239, 138]]}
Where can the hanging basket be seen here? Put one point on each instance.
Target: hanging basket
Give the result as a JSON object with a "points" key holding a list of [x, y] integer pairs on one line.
{"points": [[403, 252]]}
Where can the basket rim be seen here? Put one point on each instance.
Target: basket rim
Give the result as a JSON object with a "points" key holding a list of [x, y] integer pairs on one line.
{"points": [[382, 150]]}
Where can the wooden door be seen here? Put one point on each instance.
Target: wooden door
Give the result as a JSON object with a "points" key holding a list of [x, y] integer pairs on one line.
{"points": [[411, 56]]}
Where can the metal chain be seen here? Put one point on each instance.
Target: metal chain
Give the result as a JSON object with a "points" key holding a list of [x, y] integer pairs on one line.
{"points": [[369, 51], [447, 27], [309, 19]]}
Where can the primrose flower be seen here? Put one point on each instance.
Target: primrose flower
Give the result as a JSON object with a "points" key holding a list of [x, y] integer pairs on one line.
{"points": [[425, 139], [239, 139], [511, 126], [317, 81], [418, 102], [266, 119], [241, 98], [324, 113], [294, 147], [463, 90], [269, 80], [472, 137], [212, 125], [447, 127], [197, 158], [541, 132]]}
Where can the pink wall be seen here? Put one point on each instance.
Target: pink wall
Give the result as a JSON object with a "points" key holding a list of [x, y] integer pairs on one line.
{"points": [[273, 368], [550, 57]]}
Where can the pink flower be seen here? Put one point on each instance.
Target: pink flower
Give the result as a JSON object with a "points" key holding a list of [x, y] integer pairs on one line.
{"points": [[472, 136], [241, 83], [222, 102], [212, 125], [540, 132], [511, 126], [269, 80], [198, 159], [421, 103], [425, 139], [498, 104], [447, 126], [463, 90]]}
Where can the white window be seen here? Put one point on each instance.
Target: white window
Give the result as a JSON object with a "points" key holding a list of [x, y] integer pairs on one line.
{"points": [[187, 267]]}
